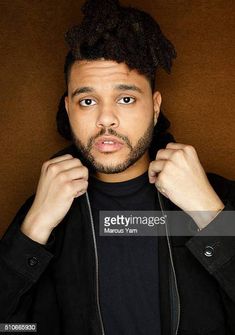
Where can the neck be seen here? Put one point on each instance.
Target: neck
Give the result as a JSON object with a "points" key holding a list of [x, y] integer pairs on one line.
{"points": [[133, 171]]}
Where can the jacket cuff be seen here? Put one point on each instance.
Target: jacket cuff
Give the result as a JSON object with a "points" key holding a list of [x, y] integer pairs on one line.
{"points": [[214, 245], [25, 256]]}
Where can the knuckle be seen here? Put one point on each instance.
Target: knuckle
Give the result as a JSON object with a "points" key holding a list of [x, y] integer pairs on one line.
{"points": [[85, 170], [168, 165], [62, 177], [151, 165], [178, 153], [45, 165], [53, 168], [160, 151], [170, 144], [190, 148], [77, 160]]}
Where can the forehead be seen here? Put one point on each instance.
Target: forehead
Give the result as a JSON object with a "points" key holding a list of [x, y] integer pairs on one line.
{"points": [[104, 71]]}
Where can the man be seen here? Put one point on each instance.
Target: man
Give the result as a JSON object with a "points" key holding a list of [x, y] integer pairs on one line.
{"points": [[56, 270]]}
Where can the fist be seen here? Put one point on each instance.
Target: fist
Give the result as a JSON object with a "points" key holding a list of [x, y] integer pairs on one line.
{"points": [[179, 175], [62, 179]]}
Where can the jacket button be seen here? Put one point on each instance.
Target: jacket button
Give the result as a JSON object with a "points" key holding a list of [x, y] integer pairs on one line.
{"points": [[208, 251], [32, 261]]}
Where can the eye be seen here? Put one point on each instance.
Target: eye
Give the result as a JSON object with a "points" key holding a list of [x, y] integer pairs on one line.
{"points": [[87, 102], [126, 100]]}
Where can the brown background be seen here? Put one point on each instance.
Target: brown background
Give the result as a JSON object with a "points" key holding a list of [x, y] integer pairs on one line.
{"points": [[198, 97]]}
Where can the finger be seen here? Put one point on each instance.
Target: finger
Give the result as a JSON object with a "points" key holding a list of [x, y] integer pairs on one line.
{"points": [[55, 161], [59, 159], [160, 188], [186, 149], [79, 187], [155, 167], [172, 145], [165, 153], [75, 173], [64, 165], [69, 164]]}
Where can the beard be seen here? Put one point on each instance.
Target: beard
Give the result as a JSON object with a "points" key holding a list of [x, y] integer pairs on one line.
{"points": [[136, 152]]}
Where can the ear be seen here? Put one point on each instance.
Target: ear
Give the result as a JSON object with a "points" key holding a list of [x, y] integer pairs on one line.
{"points": [[157, 100], [66, 103]]}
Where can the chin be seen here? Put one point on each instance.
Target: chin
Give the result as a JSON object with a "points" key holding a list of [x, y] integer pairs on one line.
{"points": [[111, 166], [107, 158]]}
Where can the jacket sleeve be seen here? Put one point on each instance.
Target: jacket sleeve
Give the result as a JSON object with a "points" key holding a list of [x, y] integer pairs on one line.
{"points": [[214, 246], [22, 261]]}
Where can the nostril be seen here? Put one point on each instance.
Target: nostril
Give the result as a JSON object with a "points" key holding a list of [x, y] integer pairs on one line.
{"points": [[106, 124]]}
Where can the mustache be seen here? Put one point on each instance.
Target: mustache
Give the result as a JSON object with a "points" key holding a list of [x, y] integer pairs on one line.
{"points": [[109, 131]]}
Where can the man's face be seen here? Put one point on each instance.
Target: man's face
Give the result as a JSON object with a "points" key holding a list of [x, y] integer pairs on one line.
{"points": [[112, 113]]}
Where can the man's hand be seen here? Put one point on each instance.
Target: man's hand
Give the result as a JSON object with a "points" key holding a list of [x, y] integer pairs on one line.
{"points": [[179, 175], [62, 179]]}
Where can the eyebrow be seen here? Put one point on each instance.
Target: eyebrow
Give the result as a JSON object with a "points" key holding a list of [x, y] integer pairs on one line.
{"points": [[120, 87], [125, 87], [84, 89]]}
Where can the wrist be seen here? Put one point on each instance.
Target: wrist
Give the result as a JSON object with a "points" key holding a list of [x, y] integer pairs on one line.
{"points": [[205, 207], [35, 230], [203, 217]]}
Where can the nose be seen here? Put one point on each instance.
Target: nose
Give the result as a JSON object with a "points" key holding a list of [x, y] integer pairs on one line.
{"points": [[107, 118]]}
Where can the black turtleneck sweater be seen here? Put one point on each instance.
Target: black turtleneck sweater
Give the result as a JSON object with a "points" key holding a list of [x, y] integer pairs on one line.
{"points": [[128, 265]]}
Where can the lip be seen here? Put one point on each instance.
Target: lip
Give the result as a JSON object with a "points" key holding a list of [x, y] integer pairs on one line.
{"points": [[113, 145]]}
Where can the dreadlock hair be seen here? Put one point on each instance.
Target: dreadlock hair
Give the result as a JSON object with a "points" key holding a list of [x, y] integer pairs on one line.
{"points": [[123, 34]]}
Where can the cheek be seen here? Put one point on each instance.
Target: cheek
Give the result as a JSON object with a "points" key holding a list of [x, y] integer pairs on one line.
{"points": [[83, 126], [138, 130], [137, 124]]}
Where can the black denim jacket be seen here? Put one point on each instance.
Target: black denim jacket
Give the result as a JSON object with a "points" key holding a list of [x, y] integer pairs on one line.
{"points": [[56, 285]]}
